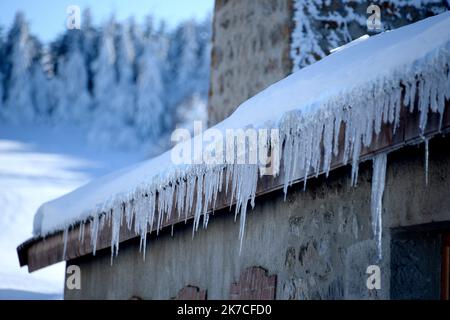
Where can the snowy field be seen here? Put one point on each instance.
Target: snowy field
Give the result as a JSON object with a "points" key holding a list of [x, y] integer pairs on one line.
{"points": [[37, 165]]}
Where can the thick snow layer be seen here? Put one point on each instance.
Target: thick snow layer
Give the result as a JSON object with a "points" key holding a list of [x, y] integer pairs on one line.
{"points": [[39, 164], [360, 87]]}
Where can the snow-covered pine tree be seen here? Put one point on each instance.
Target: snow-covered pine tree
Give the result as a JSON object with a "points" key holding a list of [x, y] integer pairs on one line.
{"points": [[90, 46], [75, 104], [105, 83], [125, 96], [114, 88], [149, 105], [190, 56], [204, 31], [20, 51], [40, 93], [74, 101], [184, 54]]}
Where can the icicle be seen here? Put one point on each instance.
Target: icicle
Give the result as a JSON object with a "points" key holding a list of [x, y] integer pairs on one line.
{"points": [[426, 141], [378, 183], [101, 221], [397, 107], [94, 233], [129, 213], [181, 195], [327, 146], [292, 169], [208, 193], [65, 236], [81, 232], [248, 176], [412, 96], [116, 218], [275, 150], [378, 116], [169, 201], [233, 182], [308, 156], [424, 104], [347, 139], [229, 170], [406, 98], [151, 209], [441, 99], [190, 196], [289, 137], [317, 148], [337, 129], [218, 188], [161, 194], [368, 122], [198, 203], [355, 160]]}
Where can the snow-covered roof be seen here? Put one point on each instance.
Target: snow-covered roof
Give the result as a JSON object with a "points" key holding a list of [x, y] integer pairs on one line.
{"points": [[360, 85]]}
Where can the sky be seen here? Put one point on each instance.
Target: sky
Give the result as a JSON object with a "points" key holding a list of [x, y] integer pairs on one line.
{"points": [[47, 18]]}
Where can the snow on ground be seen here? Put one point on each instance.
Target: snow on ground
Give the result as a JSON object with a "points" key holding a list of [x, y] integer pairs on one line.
{"points": [[37, 165]]}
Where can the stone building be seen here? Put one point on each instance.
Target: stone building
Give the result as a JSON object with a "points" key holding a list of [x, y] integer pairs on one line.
{"points": [[316, 243]]}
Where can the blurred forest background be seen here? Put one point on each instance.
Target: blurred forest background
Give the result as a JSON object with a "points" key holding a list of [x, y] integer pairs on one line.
{"points": [[127, 85]]}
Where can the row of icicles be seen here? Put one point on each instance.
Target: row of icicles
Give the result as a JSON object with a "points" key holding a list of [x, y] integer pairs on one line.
{"points": [[310, 142]]}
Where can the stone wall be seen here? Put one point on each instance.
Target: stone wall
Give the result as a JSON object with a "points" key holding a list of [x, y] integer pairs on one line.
{"points": [[251, 50], [317, 243]]}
